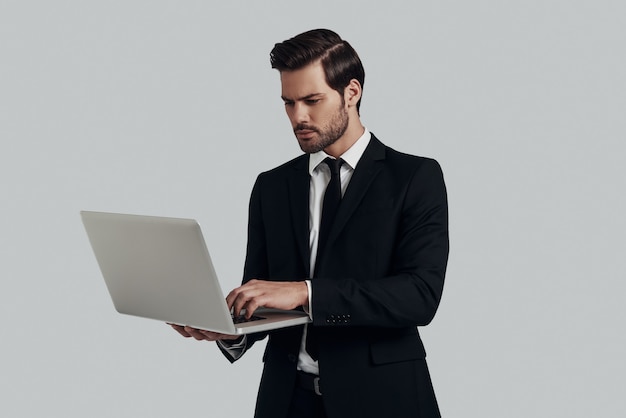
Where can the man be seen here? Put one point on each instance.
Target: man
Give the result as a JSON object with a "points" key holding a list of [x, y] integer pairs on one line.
{"points": [[368, 265]]}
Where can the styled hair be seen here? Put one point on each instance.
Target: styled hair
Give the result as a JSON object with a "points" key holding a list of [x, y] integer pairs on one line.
{"points": [[339, 60]]}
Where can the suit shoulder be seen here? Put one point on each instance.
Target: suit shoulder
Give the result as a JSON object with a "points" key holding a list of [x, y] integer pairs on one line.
{"points": [[298, 163], [409, 161], [397, 158]]}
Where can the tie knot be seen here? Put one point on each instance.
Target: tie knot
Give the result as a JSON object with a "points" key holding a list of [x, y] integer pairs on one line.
{"points": [[334, 165]]}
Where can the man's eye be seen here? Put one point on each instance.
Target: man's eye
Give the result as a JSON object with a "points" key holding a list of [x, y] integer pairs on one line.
{"points": [[312, 101], [288, 104]]}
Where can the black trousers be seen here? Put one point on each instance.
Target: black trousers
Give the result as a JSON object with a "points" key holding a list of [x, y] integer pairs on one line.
{"points": [[306, 404]]}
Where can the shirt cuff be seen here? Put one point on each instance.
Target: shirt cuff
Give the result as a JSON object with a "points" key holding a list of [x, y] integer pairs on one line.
{"points": [[235, 349], [309, 309]]}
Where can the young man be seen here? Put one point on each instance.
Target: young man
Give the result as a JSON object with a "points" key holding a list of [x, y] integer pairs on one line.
{"points": [[357, 235]]}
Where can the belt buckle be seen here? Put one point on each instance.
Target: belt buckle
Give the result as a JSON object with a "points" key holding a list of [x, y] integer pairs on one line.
{"points": [[316, 386]]}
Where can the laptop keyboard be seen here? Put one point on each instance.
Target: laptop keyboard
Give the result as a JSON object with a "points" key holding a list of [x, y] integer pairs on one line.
{"points": [[241, 319]]}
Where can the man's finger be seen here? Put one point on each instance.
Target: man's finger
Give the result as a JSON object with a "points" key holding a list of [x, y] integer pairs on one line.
{"points": [[180, 330], [233, 296], [195, 333], [251, 306], [215, 336], [245, 299]]}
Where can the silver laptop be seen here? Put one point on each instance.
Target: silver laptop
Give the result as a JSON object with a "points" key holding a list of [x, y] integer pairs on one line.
{"points": [[160, 268]]}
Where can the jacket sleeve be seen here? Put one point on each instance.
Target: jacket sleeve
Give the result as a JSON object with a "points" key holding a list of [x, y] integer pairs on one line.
{"points": [[408, 291]]}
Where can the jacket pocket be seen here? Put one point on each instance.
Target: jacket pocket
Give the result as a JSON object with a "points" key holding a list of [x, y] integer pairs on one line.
{"points": [[397, 349]]}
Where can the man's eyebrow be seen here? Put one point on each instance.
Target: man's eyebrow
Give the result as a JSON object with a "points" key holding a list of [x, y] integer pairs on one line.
{"points": [[307, 97]]}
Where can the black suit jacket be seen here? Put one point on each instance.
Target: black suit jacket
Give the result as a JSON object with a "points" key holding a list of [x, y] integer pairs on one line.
{"points": [[382, 276]]}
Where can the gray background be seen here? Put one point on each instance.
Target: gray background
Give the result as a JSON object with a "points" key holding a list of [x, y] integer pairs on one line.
{"points": [[170, 108]]}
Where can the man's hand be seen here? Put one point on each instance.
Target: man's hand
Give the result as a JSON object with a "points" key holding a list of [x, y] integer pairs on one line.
{"points": [[200, 334], [257, 293]]}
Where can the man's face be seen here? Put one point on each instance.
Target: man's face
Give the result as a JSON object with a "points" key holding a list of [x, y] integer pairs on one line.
{"points": [[317, 113]]}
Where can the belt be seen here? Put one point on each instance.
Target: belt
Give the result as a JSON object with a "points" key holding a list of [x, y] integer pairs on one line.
{"points": [[309, 381]]}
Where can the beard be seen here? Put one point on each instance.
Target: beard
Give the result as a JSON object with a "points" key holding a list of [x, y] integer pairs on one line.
{"points": [[326, 135]]}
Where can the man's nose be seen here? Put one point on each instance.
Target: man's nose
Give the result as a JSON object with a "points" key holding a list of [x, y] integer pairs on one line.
{"points": [[300, 114]]}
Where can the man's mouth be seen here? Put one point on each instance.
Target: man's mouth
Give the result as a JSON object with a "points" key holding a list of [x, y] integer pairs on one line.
{"points": [[304, 133]]}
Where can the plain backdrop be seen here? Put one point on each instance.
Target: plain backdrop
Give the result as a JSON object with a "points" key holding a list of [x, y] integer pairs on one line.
{"points": [[170, 108]]}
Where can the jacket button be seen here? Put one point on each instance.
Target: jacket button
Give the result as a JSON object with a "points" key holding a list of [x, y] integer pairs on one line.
{"points": [[292, 358]]}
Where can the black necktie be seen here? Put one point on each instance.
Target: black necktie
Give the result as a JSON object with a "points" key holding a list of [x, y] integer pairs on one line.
{"points": [[332, 199]]}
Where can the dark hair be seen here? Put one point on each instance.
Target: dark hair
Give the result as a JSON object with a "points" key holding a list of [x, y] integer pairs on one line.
{"points": [[339, 60]]}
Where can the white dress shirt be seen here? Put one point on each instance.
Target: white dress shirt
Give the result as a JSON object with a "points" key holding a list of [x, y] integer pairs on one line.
{"points": [[320, 177]]}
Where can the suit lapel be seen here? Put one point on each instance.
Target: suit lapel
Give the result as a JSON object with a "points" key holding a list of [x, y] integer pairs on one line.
{"points": [[365, 172], [299, 201]]}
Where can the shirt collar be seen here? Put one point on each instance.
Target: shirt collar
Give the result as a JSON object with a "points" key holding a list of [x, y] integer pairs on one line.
{"points": [[350, 157]]}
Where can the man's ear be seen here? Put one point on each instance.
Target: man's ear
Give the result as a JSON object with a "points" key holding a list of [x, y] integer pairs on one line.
{"points": [[352, 93]]}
